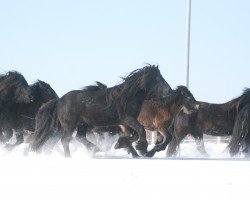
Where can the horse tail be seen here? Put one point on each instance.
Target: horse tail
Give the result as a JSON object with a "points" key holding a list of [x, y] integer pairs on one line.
{"points": [[46, 124], [241, 131]]}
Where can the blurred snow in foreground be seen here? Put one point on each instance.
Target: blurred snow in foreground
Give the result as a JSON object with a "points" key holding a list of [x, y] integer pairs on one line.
{"points": [[54, 177]]}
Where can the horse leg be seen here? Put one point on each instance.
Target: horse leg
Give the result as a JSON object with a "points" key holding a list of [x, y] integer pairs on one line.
{"points": [[162, 146], [19, 140], [81, 137], [65, 140], [97, 138], [172, 148], [198, 137], [177, 137], [50, 144], [123, 142], [2, 138], [8, 133], [141, 144], [201, 147], [246, 150], [5, 134]]}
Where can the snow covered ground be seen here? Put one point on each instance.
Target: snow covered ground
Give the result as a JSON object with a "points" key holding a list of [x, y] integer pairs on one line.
{"points": [[189, 176]]}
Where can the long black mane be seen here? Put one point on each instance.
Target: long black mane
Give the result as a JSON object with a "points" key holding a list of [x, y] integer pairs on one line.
{"points": [[131, 84], [138, 79]]}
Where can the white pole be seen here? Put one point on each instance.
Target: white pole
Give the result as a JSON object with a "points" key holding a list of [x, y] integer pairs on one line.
{"points": [[188, 21]]}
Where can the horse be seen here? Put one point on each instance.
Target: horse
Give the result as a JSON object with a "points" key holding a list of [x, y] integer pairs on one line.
{"points": [[210, 119], [118, 105], [156, 115], [22, 115], [240, 137], [13, 89]]}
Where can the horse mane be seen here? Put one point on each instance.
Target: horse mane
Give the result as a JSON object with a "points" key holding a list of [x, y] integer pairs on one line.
{"points": [[239, 102], [183, 89], [35, 85], [136, 80], [40, 88], [97, 87], [131, 84], [10, 79], [40, 84]]}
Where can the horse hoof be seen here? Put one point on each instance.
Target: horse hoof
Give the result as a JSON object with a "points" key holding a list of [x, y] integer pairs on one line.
{"points": [[95, 150], [150, 154], [122, 142], [9, 147], [141, 145], [135, 156], [206, 155]]}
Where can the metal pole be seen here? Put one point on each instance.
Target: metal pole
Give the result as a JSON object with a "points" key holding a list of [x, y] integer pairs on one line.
{"points": [[188, 21]]}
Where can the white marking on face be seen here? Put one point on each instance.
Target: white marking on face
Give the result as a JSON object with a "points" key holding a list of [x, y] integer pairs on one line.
{"points": [[185, 110]]}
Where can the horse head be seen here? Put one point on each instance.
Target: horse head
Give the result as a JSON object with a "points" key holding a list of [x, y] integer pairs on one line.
{"points": [[186, 99], [154, 83], [14, 86], [42, 91]]}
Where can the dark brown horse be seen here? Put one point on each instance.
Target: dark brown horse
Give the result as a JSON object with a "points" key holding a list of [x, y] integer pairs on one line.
{"points": [[22, 115], [211, 119], [13, 89], [119, 105], [156, 115]]}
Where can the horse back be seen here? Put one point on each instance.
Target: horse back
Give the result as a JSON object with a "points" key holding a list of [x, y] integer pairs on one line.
{"points": [[214, 119], [89, 107]]}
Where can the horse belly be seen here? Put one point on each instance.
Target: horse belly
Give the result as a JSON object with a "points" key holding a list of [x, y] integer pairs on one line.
{"points": [[101, 118]]}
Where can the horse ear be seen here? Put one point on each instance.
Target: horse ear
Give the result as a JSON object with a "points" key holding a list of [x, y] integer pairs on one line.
{"points": [[41, 85]]}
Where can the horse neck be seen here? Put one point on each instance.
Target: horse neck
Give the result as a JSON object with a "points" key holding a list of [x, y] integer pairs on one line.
{"points": [[175, 107], [125, 102], [125, 95], [138, 97]]}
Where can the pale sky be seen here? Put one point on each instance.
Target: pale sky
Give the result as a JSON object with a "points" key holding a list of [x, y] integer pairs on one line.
{"points": [[71, 44]]}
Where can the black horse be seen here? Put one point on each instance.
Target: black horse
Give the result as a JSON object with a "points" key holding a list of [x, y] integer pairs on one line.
{"points": [[13, 89], [241, 133], [119, 105], [211, 119], [22, 115]]}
